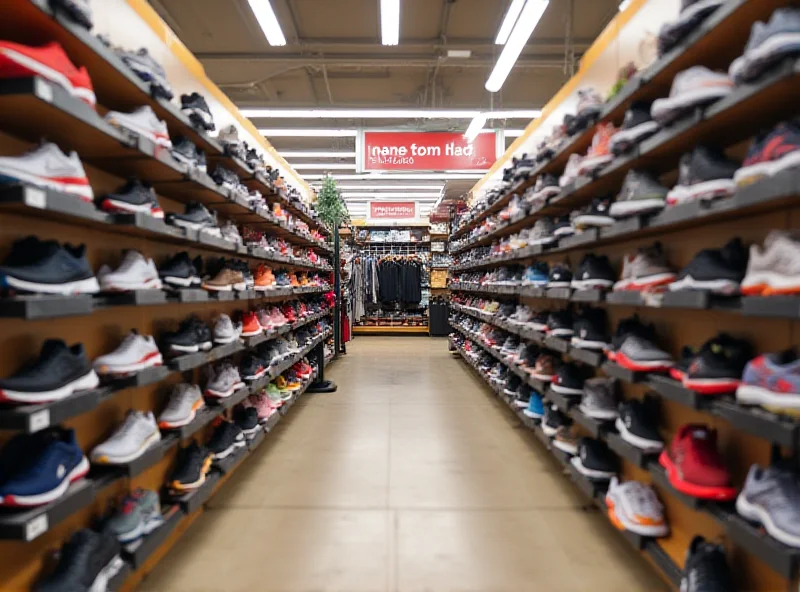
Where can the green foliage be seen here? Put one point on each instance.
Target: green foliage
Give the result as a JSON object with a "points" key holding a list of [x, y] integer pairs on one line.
{"points": [[330, 206]]}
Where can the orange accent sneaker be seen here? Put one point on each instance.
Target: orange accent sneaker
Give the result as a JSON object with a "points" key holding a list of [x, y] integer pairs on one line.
{"points": [[263, 279], [293, 280], [599, 154], [303, 279], [278, 212], [250, 325]]}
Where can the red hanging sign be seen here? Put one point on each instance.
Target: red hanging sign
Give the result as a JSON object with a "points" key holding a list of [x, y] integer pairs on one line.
{"points": [[428, 151], [392, 209]]}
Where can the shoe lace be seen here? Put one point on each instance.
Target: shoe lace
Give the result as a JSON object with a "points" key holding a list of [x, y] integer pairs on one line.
{"points": [[787, 485], [129, 426]]}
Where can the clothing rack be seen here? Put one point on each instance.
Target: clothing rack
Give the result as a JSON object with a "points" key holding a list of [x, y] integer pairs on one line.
{"points": [[391, 249]]}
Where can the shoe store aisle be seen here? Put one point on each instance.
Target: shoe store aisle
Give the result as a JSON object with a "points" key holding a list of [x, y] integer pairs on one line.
{"points": [[410, 478]]}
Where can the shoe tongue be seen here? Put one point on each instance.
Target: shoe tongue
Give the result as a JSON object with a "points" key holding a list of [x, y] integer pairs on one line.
{"points": [[52, 346]]}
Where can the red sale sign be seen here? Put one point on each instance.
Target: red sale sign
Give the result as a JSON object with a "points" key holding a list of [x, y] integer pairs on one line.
{"points": [[392, 209], [427, 151]]}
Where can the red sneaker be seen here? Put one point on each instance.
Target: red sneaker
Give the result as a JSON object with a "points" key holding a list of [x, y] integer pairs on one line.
{"points": [[288, 312], [250, 325], [695, 467], [50, 62]]}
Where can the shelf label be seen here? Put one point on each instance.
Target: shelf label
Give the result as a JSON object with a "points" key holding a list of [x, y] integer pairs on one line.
{"points": [[36, 527], [35, 198], [44, 91], [39, 420]]}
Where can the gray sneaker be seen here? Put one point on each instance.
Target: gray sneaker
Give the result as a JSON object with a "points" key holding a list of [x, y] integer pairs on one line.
{"points": [[640, 194], [599, 399], [225, 330], [769, 43], [542, 232], [224, 381], [182, 407], [771, 497], [776, 267], [646, 270], [641, 355], [139, 515]]}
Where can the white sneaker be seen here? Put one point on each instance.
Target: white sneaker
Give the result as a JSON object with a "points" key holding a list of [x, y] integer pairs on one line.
{"points": [[231, 233], [184, 402], [134, 273], [135, 353], [132, 439], [226, 331], [229, 136], [144, 122], [224, 381], [634, 506], [691, 88], [46, 166]]}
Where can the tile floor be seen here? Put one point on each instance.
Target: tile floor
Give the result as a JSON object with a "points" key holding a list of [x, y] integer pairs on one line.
{"points": [[411, 478]]}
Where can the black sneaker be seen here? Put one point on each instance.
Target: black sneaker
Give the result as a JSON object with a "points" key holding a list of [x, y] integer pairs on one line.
{"points": [[227, 438], [181, 271], [522, 168], [595, 460], [679, 370], [225, 177], [513, 383], [193, 465], [637, 127], [704, 174], [559, 323], [705, 568], [539, 321], [132, 198], [48, 268], [254, 160], [637, 425], [546, 186], [252, 367], [195, 217], [718, 366], [641, 194], [632, 326], [195, 106], [192, 337], [597, 215], [86, 561], [693, 13], [522, 397], [552, 420], [590, 329], [568, 380], [184, 151], [562, 226], [532, 353], [79, 10], [720, 271], [595, 271], [247, 420], [560, 277], [59, 372]]}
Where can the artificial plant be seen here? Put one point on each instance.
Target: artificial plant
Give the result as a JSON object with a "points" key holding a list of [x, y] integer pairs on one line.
{"points": [[330, 207]]}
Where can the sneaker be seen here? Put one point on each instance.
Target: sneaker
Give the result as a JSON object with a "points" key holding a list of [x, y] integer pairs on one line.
{"points": [[132, 198], [195, 217], [566, 440], [229, 136], [137, 433], [559, 323], [634, 506], [600, 399], [79, 10], [264, 406], [640, 354], [194, 463], [571, 170], [599, 154], [192, 336], [142, 122], [186, 152], [546, 187], [589, 330], [226, 440], [246, 419], [770, 154], [769, 43], [719, 271], [48, 268], [704, 175], [230, 232], [770, 498], [718, 366], [545, 368], [692, 15], [51, 63], [773, 382], [196, 108], [251, 326], [56, 374], [535, 407], [775, 268], [542, 233], [148, 69], [691, 88], [568, 380], [134, 273], [38, 468], [226, 331], [560, 277], [705, 568], [641, 194], [226, 280], [694, 466], [597, 215], [552, 420], [182, 407], [225, 178], [180, 271], [223, 382], [252, 368], [637, 425], [636, 128], [562, 227], [138, 516], [594, 272], [264, 279], [594, 460], [645, 271], [135, 353], [48, 167], [87, 561], [536, 275], [590, 104]]}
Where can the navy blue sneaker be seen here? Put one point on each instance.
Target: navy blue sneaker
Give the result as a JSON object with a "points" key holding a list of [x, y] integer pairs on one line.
{"points": [[51, 269], [537, 274], [54, 461]]}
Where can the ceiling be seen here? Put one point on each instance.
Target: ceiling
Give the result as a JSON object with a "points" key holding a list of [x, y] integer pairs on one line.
{"points": [[334, 59]]}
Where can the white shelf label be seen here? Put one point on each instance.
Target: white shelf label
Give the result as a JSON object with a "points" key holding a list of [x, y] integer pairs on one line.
{"points": [[39, 420], [44, 91], [36, 198], [36, 527]]}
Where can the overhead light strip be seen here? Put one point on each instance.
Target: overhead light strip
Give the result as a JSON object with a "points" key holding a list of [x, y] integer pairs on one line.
{"points": [[475, 127], [256, 113], [530, 17], [347, 194], [401, 177], [309, 133], [509, 21], [390, 187], [265, 15], [321, 165], [313, 154], [390, 22]]}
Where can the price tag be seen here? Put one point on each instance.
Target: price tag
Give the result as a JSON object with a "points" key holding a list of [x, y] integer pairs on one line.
{"points": [[39, 420], [36, 198], [44, 91], [36, 527]]}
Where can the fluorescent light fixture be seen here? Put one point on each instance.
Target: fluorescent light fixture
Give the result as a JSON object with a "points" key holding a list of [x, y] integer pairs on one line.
{"points": [[262, 9], [509, 21], [387, 113], [401, 177], [459, 53], [514, 133], [390, 22], [312, 154], [347, 194], [624, 4], [309, 133], [530, 17], [390, 187], [322, 165], [475, 127]]}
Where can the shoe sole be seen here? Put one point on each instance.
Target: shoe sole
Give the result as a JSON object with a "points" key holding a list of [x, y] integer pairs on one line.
{"points": [[587, 344], [225, 340], [773, 49], [115, 206], [230, 449], [590, 473], [86, 382], [723, 494], [708, 191], [724, 287], [171, 425], [239, 287], [767, 283], [563, 390], [640, 366], [624, 209], [80, 190], [87, 286], [633, 136], [666, 109], [38, 68], [118, 286], [599, 414], [191, 349], [224, 394], [711, 386], [623, 522], [592, 284], [564, 447], [122, 121], [750, 394], [105, 459], [760, 515], [100, 583], [152, 359], [644, 283], [753, 173], [182, 282], [643, 444]]}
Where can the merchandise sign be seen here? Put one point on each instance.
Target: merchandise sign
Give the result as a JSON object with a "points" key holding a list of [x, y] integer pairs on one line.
{"points": [[427, 151], [392, 209]]}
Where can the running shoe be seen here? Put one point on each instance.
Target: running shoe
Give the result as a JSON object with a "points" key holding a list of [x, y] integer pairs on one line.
{"points": [[694, 466], [771, 153], [143, 122], [48, 167], [137, 433], [772, 381], [132, 198]]}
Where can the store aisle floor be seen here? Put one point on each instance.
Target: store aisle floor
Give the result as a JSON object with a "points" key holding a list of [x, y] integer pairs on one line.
{"points": [[411, 478]]}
